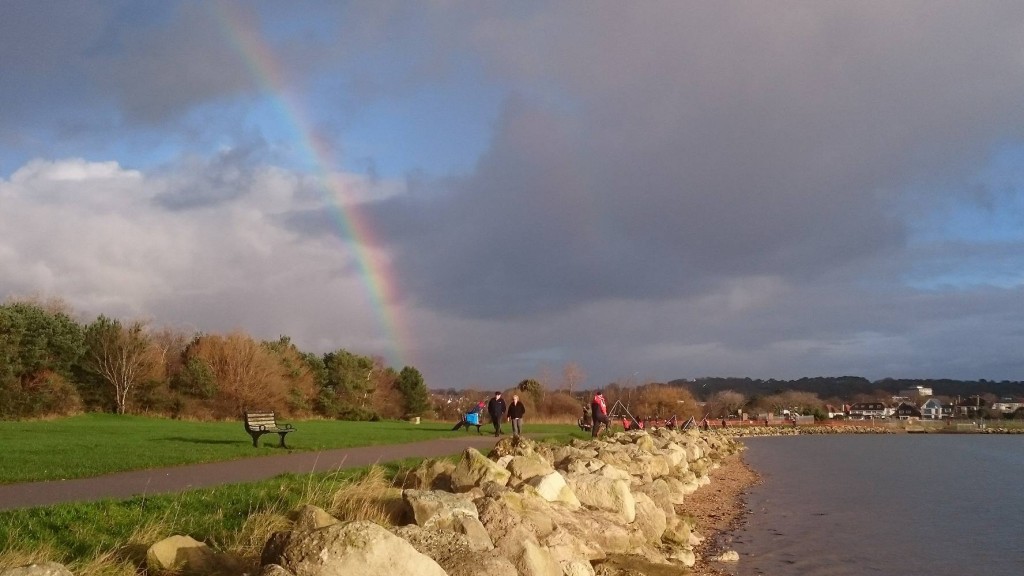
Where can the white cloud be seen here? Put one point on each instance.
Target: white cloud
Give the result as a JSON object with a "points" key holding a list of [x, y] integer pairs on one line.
{"points": [[90, 233]]}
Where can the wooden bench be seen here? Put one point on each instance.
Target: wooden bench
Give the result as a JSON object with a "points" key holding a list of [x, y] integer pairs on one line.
{"points": [[259, 423]]}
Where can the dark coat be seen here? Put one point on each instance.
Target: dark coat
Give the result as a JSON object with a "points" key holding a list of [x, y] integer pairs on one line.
{"points": [[496, 408], [516, 409]]}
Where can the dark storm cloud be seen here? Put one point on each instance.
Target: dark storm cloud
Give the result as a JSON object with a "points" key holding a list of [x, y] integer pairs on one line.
{"points": [[204, 182], [160, 72], [673, 147]]}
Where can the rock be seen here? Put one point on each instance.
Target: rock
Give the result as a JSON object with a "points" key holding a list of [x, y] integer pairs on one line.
{"points": [[474, 469], [675, 453], [644, 442], [684, 556], [567, 548], [553, 488], [359, 547], [537, 561], [603, 493], [576, 568], [614, 472], [523, 468], [433, 474], [678, 532], [38, 569], [728, 556], [650, 519], [582, 466], [660, 494], [506, 525], [311, 517], [274, 570], [474, 531], [182, 554], [438, 509], [454, 553], [513, 446]]}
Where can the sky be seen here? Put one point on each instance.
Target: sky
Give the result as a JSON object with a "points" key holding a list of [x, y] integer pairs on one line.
{"points": [[492, 191]]}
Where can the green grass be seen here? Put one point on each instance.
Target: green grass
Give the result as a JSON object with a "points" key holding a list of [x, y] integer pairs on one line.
{"points": [[79, 533], [97, 444]]}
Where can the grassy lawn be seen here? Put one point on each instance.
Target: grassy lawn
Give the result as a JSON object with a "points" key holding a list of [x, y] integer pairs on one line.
{"points": [[110, 536], [97, 444]]}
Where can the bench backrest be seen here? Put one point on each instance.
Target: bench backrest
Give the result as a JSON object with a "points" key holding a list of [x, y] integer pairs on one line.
{"points": [[256, 420]]}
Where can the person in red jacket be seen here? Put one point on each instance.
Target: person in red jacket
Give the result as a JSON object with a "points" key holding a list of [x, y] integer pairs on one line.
{"points": [[599, 412]]}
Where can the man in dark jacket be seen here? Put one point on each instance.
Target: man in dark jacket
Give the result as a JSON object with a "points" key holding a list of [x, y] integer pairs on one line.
{"points": [[496, 409]]}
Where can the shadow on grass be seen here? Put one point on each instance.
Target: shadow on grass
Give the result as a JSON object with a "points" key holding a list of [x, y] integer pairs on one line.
{"points": [[205, 441]]}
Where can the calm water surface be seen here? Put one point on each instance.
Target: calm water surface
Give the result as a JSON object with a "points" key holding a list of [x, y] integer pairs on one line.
{"points": [[910, 505]]}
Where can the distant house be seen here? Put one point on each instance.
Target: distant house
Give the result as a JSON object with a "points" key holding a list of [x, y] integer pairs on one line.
{"points": [[907, 411], [1007, 405], [969, 407], [864, 410], [932, 409]]}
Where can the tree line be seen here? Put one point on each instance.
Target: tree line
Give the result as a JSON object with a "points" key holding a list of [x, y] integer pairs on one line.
{"points": [[52, 364], [852, 388]]}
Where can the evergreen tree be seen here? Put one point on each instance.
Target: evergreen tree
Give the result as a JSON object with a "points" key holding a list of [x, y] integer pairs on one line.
{"points": [[414, 392]]}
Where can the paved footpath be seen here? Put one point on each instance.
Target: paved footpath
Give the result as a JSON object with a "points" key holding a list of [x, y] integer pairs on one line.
{"points": [[180, 478]]}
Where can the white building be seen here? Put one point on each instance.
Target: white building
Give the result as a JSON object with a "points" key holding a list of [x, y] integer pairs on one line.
{"points": [[916, 392]]}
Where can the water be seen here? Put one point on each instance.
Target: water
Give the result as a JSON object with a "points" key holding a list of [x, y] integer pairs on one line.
{"points": [[909, 505]]}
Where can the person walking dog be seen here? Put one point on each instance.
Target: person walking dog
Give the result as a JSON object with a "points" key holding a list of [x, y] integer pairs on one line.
{"points": [[496, 409]]}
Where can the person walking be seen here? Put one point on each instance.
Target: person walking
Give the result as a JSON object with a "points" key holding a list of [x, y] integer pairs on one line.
{"points": [[496, 409], [516, 410], [599, 414]]}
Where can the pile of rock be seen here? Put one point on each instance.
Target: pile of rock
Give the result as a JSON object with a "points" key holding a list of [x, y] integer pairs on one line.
{"points": [[527, 509], [742, 431]]}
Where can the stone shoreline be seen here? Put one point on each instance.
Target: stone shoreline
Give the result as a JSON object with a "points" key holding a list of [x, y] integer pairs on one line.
{"points": [[719, 509]]}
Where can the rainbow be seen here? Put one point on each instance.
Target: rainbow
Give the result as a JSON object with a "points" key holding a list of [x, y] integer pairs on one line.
{"points": [[243, 33]]}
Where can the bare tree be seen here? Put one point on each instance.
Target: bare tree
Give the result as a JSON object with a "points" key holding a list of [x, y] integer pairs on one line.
{"points": [[726, 402], [573, 375], [121, 355]]}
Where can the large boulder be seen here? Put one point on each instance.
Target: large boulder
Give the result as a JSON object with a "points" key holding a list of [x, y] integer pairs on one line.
{"points": [[603, 493], [311, 517], [39, 569], [437, 510], [507, 528], [359, 547], [651, 520], [553, 488], [475, 469], [186, 555], [535, 560], [455, 553], [523, 468], [432, 474]]}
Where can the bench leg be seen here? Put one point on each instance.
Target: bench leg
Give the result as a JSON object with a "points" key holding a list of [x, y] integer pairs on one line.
{"points": [[282, 435], [255, 437]]}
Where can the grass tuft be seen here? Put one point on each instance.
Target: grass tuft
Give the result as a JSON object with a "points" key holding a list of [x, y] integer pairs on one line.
{"points": [[371, 496]]}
